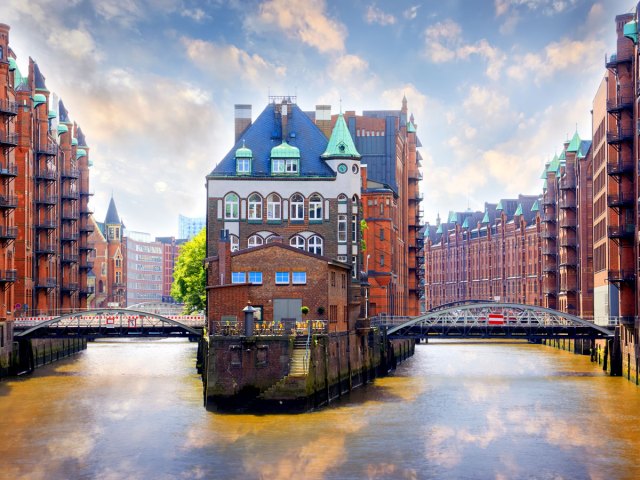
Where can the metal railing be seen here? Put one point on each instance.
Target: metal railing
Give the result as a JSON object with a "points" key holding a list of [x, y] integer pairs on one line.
{"points": [[70, 173], [621, 135], [10, 169], [622, 231], [622, 198], [271, 328], [9, 138], [8, 276], [48, 148], [8, 106], [615, 167], [8, 232], [8, 201]]}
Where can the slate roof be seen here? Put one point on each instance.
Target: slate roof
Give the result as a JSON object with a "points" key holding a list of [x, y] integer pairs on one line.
{"points": [[112, 217], [82, 141], [38, 78], [266, 132], [63, 114]]}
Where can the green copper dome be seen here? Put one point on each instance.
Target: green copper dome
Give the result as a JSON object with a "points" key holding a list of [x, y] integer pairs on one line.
{"points": [[574, 146], [62, 128], [39, 99], [81, 152], [284, 150], [12, 64], [244, 152], [52, 114], [340, 143], [74, 141]]}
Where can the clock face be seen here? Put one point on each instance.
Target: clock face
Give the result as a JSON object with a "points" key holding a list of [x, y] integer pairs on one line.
{"points": [[342, 168]]}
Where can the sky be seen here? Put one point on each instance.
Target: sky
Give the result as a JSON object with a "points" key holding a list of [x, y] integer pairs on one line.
{"points": [[495, 87]]}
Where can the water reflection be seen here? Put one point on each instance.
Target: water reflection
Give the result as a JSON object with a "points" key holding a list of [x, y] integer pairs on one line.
{"points": [[134, 410]]}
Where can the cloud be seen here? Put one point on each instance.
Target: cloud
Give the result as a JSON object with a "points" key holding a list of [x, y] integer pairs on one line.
{"points": [[411, 13], [196, 14], [238, 66], [559, 56], [76, 43], [486, 103], [376, 15], [546, 7], [444, 43], [303, 20]]}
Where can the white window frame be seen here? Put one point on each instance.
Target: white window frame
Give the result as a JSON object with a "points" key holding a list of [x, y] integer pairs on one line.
{"points": [[282, 278], [255, 207], [238, 277], [277, 166], [342, 228], [298, 241], [243, 165], [255, 278], [234, 241], [314, 243], [354, 228], [274, 208], [231, 207], [254, 241], [301, 280], [315, 207], [296, 207], [291, 165]]}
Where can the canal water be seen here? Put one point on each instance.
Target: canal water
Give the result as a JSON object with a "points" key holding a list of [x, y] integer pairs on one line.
{"points": [[133, 410]]}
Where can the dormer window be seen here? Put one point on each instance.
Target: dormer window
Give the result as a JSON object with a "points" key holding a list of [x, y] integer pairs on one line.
{"points": [[285, 160], [243, 165], [291, 165]]}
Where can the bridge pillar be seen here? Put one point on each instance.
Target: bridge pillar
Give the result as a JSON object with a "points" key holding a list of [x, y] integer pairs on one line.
{"points": [[615, 354]]}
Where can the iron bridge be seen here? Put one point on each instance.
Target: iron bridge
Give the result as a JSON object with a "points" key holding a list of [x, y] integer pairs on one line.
{"points": [[110, 322], [493, 320]]}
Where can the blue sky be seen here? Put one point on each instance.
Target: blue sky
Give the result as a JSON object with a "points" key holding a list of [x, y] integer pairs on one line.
{"points": [[495, 86]]}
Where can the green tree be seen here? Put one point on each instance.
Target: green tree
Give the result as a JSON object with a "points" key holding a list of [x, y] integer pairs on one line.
{"points": [[189, 276]]}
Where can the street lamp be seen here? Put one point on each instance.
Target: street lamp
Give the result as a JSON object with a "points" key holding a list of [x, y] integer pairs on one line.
{"points": [[366, 289]]}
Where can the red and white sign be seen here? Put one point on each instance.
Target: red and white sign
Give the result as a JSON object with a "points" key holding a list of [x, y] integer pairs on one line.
{"points": [[496, 319]]}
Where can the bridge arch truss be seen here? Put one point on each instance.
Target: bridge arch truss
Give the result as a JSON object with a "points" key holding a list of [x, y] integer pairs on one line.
{"points": [[495, 320]]}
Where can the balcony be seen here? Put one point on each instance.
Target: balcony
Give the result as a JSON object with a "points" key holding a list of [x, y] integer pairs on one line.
{"points": [[568, 223], [622, 135], [415, 176], [86, 227], [69, 195], [546, 218], [48, 148], [46, 199], [88, 265], [622, 231], [548, 201], [69, 214], [87, 246], [622, 199], [70, 173], [568, 242], [69, 287], [86, 291], [549, 252], [9, 170], [614, 60], [46, 224], [46, 174], [45, 248], [550, 292], [619, 104], [86, 210], [621, 276], [48, 283], [8, 107], [69, 258], [66, 236], [615, 168], [549, 269], [548, 235], [8, 233], [8, 201], [118, 285], [568, 183], [568, 263], [9, 139], [8, 276], [86, 193], [417, 197], [567, 203]]}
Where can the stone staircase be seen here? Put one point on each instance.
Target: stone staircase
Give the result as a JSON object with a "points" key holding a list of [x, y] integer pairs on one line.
{"points": [[296, 381]]}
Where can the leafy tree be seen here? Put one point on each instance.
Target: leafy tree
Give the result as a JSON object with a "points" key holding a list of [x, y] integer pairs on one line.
{"points": [[189, 276]]}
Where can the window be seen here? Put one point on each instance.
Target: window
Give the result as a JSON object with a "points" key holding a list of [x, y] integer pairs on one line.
{"points": [[274, 206], [344, 281], [297, 242], [342, 197], [354, 270], [342, 228], [297, 207], [333, 279], [381, 234], [231, 207], [118, 262], [255, 277], [272, 238], [277, 166], [354, 228], [291, 166], [315, 207], [235, 243], [243, 165], [299, 278], [382, 209], [282, 278], [382, 260], [255, 207], [238, 277], [342, 258], [118, 278], [254, 241], [315, 245]]}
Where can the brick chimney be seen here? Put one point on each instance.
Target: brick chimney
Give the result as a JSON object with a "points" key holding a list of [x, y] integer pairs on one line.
{"points": [[224, 258], [284, 115], [242, 119], [323, 119]]}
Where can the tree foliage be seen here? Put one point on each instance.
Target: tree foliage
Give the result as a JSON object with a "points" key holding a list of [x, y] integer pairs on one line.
{"points": [[189, 276]]}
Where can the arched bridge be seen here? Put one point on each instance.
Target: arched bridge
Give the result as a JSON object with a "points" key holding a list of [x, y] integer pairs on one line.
{"points": [[110, 322], [494, 320]]}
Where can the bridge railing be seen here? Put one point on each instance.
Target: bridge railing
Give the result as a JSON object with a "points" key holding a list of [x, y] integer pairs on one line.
{"points": [[264, 328], [132, 320]]}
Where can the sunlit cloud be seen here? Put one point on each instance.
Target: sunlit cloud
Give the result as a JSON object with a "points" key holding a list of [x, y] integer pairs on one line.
{"points": [[377, 15]]}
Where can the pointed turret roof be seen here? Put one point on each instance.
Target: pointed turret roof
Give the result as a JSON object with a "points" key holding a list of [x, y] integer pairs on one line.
{"points": [[63, 114], [38, 78], [485, 219], [112, 217], [340, 143], [518, 210], [535, 207], [82, 141], [574, 145]]}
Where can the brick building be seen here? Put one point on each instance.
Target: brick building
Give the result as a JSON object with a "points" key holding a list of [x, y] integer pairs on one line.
{"points": [[170, 251], [283, 178], [278, 288], [490, 255], [44, 249]]}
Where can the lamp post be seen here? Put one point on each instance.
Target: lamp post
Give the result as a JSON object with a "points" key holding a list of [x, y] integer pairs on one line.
{"points": [[366, 289], [248, 319]]}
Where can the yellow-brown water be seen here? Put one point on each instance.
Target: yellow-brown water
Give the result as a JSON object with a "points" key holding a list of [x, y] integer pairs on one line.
{"points": [[133, 410]]}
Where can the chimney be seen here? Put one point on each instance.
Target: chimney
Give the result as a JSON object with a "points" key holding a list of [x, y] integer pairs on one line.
{"points": [[284, 111], [323, 119], [224, 258], [243, 119]]}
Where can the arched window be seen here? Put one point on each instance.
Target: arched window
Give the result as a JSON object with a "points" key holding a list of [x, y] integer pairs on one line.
{"points": [[272, 238], [315, 207], [231, 207], [100, 286], [274, 207], [315, 245], [297, 207], [235, 243], [342, 197], [297, 242], [255, 241], [255, 207]]}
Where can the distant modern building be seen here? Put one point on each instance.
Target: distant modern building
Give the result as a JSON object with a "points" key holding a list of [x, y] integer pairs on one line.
{"points": [[189, 227], [144, 273]]}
